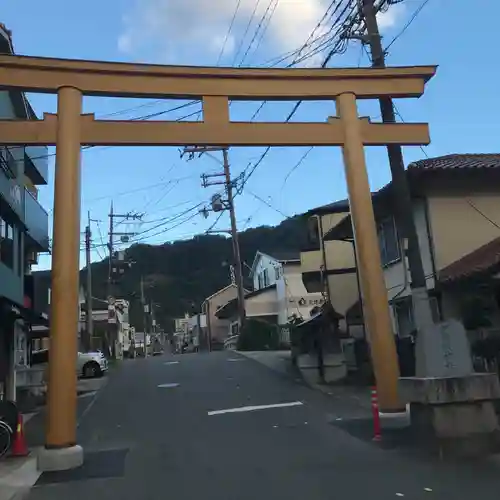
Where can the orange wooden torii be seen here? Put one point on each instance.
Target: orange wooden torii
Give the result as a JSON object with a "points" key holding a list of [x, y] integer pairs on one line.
{"points": [[68, 130]]}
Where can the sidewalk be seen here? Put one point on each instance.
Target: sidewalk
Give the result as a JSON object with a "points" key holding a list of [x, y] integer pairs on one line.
{"points": [[17, 475]]}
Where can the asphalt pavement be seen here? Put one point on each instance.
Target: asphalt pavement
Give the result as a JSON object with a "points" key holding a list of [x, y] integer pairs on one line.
{"points": [[223, 426]]}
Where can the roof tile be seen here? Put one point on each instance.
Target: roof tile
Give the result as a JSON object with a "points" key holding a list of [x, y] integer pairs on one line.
{"points": [[458, 161], [483, 259]]}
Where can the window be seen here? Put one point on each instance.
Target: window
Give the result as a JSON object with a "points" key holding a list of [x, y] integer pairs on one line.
{"points": [[388, 241], [259, 281], [20, 255], [6, 243], [277, 271], [313, 232], [265, 278], [403, 313]]}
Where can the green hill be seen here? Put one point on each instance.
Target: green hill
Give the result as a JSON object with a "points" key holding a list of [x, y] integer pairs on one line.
{"points": [[180, 275]]}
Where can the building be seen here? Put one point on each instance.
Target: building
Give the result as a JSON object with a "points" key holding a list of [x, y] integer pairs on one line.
{"points": [[456, 207], [110, 325], [279, 294], [218, 328], [23, 234], [329, 266], [197, 331]]}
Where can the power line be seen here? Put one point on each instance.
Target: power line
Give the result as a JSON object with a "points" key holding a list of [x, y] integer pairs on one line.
{"points": [[228, 32], [252, 17], [137, 190], [296, 166], [262, 200], [138, 118], [163, 231], [265, 27], [408, 23], [257, 30], [396, 110]]}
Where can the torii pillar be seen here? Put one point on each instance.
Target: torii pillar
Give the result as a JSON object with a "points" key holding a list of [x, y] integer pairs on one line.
{"points": [[61, 451]]}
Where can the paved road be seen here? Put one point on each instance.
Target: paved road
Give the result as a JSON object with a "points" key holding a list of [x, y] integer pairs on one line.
{"points": [[148, 442]]}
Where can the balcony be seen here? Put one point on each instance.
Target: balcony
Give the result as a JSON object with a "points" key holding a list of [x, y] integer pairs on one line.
{"points": [[10, 192], [36, 164], [36, 221], [12, 284]]}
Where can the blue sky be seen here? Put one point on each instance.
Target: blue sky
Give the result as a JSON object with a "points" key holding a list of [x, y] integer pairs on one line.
{"points": [[460, 102]]}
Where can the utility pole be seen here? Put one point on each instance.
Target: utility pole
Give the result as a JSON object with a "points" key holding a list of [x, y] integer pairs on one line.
{"points": [[400, 189], [219, 205], [115, 268], [144, 317], [236, 244], [89, 326]]}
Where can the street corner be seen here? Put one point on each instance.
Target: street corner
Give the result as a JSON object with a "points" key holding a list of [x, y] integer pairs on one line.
{"points": [[18, 476]]}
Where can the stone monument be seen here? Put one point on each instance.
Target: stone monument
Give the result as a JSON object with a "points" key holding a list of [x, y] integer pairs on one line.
{"points": [[451, 406]]}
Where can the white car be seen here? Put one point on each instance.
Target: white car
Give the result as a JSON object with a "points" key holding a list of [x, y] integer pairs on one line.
{"points": [[91, 364]]}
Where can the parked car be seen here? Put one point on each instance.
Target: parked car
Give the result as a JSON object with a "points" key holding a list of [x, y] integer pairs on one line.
{"points": [[91, 364], [88, 364]]}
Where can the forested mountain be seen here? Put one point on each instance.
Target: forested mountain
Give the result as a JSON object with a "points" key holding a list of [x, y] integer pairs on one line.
{"points": [[179, 275]]}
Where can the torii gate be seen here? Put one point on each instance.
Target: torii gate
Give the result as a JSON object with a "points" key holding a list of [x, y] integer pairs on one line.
{"points": [[68, 130]]}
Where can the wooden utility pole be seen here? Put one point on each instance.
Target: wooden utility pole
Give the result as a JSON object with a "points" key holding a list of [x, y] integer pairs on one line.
{"points": [[89, 323], [115, 268], [405, 221], [234, 236], [227, 204], [144, 317]]}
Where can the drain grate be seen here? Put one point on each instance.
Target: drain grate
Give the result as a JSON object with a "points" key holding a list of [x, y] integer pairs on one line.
{"points": [[97, 465]]}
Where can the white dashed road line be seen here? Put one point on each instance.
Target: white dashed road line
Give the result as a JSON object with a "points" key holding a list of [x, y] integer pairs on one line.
{"points": [[167, 386], [242, 409], [171, 363]]}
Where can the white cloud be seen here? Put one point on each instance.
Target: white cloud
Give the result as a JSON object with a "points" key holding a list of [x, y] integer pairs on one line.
{"points": [[391, 17], [193, 31], [124, 43]]}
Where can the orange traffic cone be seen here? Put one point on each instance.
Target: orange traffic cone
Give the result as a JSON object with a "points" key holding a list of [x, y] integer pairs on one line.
{"points": [[19, 447]]}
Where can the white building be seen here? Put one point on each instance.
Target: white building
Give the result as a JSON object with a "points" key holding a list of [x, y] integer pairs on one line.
{"points": [[279, 293], [284, 272]]}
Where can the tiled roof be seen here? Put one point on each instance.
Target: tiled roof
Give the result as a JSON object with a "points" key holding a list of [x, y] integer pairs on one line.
{"points": [[332, 208], [481, 260], [458, 161], [420, 168]]}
